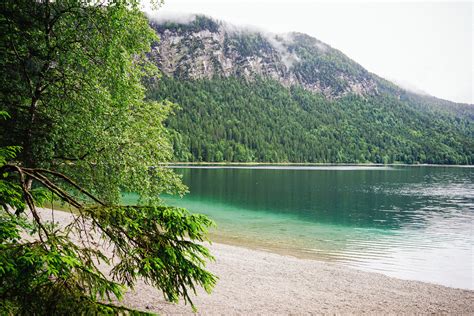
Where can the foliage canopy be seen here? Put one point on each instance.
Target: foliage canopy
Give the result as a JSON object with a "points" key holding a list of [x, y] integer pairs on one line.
{"points": [[71, 83], [232, 119]]}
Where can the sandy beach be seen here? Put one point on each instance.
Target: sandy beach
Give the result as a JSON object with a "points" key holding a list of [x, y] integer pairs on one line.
{"points": [[255, 282]]}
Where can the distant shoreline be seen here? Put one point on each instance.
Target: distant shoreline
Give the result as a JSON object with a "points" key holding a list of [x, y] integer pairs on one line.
{"points": [[309, 164]]}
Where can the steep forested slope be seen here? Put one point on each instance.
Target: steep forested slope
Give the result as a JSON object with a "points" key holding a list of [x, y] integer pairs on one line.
{"points": [[236, 120], [249, 96]]}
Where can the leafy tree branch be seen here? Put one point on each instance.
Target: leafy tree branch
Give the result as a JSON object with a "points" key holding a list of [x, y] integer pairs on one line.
{"points": [[78, 130]]}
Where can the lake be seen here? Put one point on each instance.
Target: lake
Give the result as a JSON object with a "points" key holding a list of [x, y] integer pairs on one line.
{"points": [[407, 222]]}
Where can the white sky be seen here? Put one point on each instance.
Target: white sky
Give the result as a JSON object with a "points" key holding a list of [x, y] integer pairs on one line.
{"points": [[424, 45]]}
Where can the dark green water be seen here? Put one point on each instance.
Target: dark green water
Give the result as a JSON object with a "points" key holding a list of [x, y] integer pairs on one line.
{"points": [[408, 222]]}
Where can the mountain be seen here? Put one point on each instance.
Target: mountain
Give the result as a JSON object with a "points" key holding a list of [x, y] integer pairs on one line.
{"points": [[204, 48], [247, 95]]}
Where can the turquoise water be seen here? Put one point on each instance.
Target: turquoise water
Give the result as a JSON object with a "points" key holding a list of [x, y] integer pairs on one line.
{"points": [[408, 222]]}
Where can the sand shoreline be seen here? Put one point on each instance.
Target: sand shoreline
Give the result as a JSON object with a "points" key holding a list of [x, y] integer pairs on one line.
{"points": [[177, 164], [259, 282]]}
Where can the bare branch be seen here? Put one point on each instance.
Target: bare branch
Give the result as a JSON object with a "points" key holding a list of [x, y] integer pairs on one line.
{"points": [[29, 199], [68, 180]]}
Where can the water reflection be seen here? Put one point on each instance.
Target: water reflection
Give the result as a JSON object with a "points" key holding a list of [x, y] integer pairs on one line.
{"points": [[409, 222]]}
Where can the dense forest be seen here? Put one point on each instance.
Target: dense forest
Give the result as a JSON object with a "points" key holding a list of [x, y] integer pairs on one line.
{"points": [[238, 120]]}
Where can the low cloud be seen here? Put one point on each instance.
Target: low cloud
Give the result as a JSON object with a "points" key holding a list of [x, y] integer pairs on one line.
{"points": [[162, 17]]}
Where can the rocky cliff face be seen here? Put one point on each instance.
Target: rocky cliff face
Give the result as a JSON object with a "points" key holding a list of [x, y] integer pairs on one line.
{"points": [[205, 48]]}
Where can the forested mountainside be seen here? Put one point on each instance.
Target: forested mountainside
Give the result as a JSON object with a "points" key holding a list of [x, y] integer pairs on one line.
{"points": [[250, 96]]}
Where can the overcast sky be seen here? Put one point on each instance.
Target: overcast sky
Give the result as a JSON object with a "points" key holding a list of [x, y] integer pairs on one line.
{"points": [[426, 45]]}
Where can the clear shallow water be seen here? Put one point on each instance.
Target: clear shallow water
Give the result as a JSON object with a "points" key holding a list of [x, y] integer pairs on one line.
{"points": [[408, 222]]}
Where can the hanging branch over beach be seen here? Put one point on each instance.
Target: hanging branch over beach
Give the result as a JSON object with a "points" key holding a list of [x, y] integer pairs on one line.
{"points": [[151, 242], [71, 83]]}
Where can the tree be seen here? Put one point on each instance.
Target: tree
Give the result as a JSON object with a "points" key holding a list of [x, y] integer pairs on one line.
{"points": [[71, 81], [265, 121]]}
